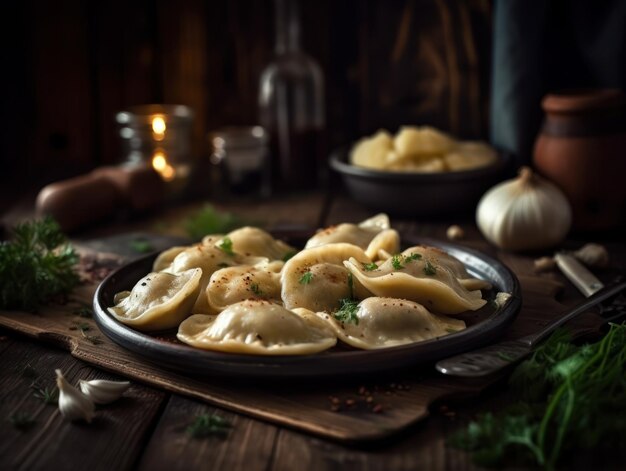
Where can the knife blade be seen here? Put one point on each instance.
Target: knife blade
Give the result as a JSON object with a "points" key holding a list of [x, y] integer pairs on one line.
{"points": [[583, 279]]}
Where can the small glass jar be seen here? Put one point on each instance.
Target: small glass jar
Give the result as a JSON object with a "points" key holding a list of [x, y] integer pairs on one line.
{"points": [[239, 155], [159, 136]]}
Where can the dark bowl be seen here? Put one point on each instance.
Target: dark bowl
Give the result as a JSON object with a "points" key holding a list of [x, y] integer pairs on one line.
{"points": [[418, 194]]}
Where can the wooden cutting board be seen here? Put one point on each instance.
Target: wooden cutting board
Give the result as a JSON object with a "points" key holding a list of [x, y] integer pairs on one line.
{"points": [[351, 410]]}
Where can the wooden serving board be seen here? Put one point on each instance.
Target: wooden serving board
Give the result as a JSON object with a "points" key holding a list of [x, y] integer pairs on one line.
{"points": [[351, 410]]}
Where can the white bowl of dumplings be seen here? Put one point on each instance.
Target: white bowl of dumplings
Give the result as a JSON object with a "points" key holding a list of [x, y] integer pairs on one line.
{"points": [[246, 292], [419, 171]]}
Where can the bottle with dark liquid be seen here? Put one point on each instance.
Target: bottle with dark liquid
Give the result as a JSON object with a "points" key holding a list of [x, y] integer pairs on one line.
{"points": [[291, 107]]}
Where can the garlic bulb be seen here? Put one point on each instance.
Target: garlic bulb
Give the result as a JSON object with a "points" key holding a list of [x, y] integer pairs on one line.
{"points": [[102, 391], [73, 404], [524, 214]]}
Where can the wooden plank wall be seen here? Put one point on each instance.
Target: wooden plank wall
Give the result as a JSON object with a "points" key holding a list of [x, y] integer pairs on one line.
{"points": [[70, 65]]}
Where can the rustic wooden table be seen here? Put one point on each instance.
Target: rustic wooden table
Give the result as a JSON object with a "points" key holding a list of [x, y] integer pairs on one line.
{"points": [[147, 428]]}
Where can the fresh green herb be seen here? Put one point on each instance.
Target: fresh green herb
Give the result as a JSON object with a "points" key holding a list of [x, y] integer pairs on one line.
{"points": [[570, 398], [347, 311], [141, 246], [48, 396], [413, 256], [289, 255], [370, 266], [35, 265], [350, 286], [396, 262], [209, 220], [254, 287], [505, 356], [306, 278], [223, 265], [430, 269], [22, 421], [205, 425], [226, 246]]}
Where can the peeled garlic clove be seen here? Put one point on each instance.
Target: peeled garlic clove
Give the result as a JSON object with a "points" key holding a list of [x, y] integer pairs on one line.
{"points": [[102, 391], [73, 404], [455, 232], [593, 255], [544, 264]]}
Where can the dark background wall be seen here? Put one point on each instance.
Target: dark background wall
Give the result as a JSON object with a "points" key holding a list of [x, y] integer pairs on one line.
{"points": [[69, 65]]}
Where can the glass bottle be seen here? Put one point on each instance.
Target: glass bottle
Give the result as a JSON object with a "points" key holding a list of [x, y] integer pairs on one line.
{"points": [[291, 106]]}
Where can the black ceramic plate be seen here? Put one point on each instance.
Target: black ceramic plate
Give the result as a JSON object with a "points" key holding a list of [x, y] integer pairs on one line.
{"points": [[484, 326], [418, 194]]}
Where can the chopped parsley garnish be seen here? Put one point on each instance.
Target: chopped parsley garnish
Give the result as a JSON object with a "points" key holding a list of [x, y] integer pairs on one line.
{"points": [[369, 266], [430, 269], [205, 425], [413, 256], [254, 287], [396, 261], [306, 278], [226, 246], [347, 311], [288, 255]]}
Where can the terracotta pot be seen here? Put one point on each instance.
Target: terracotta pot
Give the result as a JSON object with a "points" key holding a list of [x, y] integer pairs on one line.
{"points": [[582, 149]]}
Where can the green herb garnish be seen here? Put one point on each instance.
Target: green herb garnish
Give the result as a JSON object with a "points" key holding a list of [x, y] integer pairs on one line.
{"points": [[209, 220], [430, 269], [568, 398], [205, 425], [413, 256], [35, 265], [254, 287], [370, 266], [306, 278], [141, 246], [46, 395], [347, 311], [22, 421], [396, 262], [226, 246], [289, 255], [350, 286]]}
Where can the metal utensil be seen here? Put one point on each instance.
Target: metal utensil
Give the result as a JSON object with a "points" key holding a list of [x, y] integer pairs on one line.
{"points": [[583, 279], [488, 360]]}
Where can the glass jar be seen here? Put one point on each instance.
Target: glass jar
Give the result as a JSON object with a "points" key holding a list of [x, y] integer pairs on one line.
{"points": [[159, 136], [291, 106], [240, 159]]}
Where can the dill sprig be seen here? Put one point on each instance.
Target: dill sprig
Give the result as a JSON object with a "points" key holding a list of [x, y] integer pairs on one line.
{"points": [[570, 398], [209, 424], [35, 265], [430, 269], [306, 278], [226, 246], [396, 262], [347, 311], [46, 395], [254, 287], [370, 266]]}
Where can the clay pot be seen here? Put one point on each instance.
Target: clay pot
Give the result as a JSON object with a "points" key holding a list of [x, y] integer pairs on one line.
{"points": [[582, 149]]}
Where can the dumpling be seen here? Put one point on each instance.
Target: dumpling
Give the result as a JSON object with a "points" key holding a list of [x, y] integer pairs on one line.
{"points": [[387, 322], [417, 278], [233, 284], [371, 235], [371, 152], [425, 140], [470, 155], [256, 327], [316, 278], [165, 258], [439, 257], [209, 258], [158, 301], [252, 241]]}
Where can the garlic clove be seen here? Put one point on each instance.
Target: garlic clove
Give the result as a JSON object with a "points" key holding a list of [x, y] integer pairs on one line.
{"points": [[455, 232], [73, 404], [102, 391], [593, 255], [544, 264]]}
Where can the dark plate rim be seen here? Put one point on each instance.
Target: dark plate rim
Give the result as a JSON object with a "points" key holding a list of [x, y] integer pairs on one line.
{"points": [[180, 356], [339, 162]]}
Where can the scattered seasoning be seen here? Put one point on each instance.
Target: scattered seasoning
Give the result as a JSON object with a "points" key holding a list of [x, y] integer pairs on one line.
{"points": [[306, 278], [209, 424], [370, 266], [226, 246], [430, 269], [22, 421]]}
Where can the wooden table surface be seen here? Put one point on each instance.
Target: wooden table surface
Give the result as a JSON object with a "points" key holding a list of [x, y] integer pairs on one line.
{"points": [[147, 428]]}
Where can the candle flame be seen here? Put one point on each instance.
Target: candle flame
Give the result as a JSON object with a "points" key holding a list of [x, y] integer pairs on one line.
{"points": [[158, 127], [162, 166]]}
